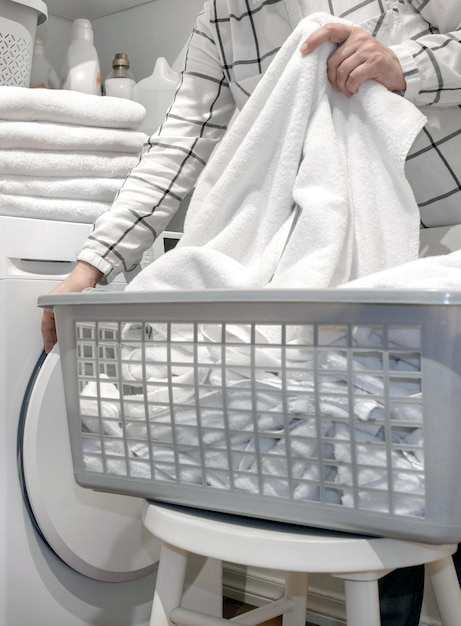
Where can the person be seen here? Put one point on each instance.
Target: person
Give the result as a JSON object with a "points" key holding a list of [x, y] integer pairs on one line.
{"points": [[409, 46]]}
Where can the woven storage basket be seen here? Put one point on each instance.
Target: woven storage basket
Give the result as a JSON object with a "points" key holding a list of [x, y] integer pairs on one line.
{"points": [[18, 26]]}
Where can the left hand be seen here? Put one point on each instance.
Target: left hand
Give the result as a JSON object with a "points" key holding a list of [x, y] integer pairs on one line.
{"points": [[358, 57]]}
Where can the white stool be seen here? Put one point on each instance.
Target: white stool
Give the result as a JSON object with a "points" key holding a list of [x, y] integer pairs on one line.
{"points": [[360, 561]]}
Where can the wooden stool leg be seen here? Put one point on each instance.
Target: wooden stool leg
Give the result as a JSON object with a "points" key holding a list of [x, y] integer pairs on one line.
{"points": [[446, 590], [362, 599], [169, 585], [296, 589]]}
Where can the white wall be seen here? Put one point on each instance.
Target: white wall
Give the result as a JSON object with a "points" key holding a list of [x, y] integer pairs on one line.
{"points": [[159, 28]]}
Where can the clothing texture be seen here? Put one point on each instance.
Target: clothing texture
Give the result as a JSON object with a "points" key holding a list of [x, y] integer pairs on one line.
{"points": [[54, 136], [57, 209], [55, 105], [321, 196], [231, 47], [65, 158]]}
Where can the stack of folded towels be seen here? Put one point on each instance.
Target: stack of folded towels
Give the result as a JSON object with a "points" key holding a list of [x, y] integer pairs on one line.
{"points": [[64, 155]]}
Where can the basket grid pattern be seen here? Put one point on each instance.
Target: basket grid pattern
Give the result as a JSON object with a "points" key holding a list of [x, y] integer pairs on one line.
{"points": [[305, 413]]}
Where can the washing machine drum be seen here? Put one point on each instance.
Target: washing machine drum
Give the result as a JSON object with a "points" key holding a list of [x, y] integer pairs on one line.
{"points": [[98, 534]]}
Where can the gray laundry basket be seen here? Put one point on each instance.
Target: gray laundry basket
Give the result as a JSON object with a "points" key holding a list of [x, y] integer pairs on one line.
{"points": [[330, 408]]}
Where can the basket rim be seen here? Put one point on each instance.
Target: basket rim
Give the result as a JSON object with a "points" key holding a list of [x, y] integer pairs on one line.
{"points": [[332, 295]]}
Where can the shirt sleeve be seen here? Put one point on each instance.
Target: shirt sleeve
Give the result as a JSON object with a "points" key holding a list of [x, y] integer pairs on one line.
{"points": [[170, 164], [432, 61]]}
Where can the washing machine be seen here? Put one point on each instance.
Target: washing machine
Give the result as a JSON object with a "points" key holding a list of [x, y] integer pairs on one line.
{"points": [[68, 556]]}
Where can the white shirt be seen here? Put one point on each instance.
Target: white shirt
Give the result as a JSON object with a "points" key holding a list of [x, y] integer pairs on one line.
{"points": [[230, 48]]}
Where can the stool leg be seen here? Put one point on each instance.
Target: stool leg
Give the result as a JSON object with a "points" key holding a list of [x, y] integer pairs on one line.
{"points": [[296, 589], [169, 585], [362, 599], [203, 585], [446, 590]]}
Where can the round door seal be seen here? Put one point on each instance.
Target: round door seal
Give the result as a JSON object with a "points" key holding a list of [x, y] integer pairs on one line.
{"points": [[98, 534]]}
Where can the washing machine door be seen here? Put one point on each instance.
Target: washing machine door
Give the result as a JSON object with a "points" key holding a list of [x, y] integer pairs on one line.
{"points": [[98, 534]]}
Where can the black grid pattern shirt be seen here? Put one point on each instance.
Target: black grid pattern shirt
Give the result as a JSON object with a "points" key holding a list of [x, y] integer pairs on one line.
{"points": [[231, 46]]}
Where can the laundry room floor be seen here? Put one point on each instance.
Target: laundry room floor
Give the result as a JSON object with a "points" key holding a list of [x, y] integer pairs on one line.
{"points": [[232, 608]]}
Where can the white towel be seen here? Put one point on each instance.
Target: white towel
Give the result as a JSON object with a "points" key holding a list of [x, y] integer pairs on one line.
{"points": [[69, 107], [289, 402], [408, 481], [437, 272], [61, 209], [94, 188], [48, 136], [65, 164], [306, 190]]}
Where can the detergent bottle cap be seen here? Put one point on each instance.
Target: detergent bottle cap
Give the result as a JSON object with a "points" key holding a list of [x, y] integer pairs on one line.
{"points": [[82, 29]]}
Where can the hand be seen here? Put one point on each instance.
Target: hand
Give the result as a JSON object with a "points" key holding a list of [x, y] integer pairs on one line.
{"points": [[358, 57], [82, 276]]}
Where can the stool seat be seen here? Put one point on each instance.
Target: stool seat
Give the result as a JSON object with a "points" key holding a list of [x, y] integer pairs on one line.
{"points": [[262, 543], [296, 550]]}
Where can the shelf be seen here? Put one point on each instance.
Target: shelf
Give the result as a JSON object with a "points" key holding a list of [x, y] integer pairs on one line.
{"points": [[90, 9]]}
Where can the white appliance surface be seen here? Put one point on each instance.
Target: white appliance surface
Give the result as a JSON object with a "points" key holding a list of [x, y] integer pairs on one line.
{"points": [[92, 533], [99, 535]]}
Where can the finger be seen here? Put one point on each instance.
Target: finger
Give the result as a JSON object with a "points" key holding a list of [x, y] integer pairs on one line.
{"points": [[344, 76], [48, 330], [49, 341], [334, 33], [360, 74]]}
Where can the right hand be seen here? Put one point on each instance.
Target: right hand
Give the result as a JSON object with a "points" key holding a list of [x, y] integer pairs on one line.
{"points": [[82, 277], [359, 56]]}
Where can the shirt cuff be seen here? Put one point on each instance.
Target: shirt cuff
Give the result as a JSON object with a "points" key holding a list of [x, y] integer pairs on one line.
{"points": [[96, 261], [410, 71]]}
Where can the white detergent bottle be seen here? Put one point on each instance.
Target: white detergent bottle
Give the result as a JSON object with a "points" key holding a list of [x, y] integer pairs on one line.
{"points": [[156, 93], [81, 69], [42, 73]]}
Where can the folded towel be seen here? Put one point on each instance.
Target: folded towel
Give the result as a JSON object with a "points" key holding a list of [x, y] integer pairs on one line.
{"points": [[62, 210], [65, 164], [94, 188], [65, 107], [307, 189], [44, 135]]}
